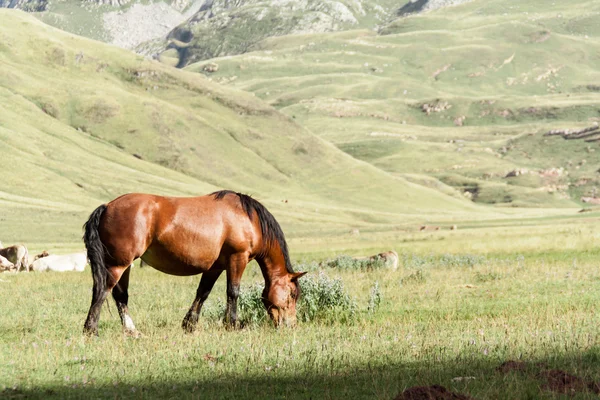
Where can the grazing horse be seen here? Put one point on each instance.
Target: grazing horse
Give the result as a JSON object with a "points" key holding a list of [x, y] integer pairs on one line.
{"points": [[205, 235], [18, 255]]}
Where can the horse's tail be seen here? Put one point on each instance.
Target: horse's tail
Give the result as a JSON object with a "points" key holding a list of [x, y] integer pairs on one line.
{"points": [[95, 251]]}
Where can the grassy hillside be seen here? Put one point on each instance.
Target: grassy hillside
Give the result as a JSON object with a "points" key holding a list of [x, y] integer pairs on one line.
{"points": [[494, 75], [83, 122]]}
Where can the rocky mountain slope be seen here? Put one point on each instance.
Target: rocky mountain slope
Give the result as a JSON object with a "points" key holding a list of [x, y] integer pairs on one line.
{"points": [[185, 31], [223, 27]]}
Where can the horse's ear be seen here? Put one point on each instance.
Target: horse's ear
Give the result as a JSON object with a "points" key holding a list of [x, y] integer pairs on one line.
{"points": [[297, 275]]}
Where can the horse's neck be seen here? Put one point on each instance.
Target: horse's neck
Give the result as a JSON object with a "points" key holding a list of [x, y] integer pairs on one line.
{"points": [[272, 266]]}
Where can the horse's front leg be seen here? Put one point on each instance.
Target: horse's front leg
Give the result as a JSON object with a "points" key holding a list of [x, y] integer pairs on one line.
{"points": [[237, 264], [121, 296], [206, 284]]}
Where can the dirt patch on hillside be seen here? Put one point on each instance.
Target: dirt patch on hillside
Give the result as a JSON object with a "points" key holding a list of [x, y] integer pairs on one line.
{"points": [[510, 366], [565, 383], [554, 380], [435, 392], [539, 37]]}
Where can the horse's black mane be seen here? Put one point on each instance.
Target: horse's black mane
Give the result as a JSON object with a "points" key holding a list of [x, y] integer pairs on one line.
{"points": [[270, 229]]}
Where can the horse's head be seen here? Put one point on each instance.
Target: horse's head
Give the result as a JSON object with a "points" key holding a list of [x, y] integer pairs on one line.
{"points": [[280, 298]]}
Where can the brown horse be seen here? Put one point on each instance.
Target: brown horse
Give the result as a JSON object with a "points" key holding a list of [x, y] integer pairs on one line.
{"points": [[206, 235]]}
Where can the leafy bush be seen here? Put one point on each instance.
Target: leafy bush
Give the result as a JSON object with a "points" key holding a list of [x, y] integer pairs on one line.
{"points": [[461, 260], [322, 298], [374, 298], [251, 310], [348, 263], [445, 260]]}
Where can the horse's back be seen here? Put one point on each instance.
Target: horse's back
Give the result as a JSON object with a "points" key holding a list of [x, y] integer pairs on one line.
{"points": [[176, 235]]}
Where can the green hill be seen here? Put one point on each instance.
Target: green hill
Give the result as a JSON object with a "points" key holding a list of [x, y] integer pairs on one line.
{"points": [[82, 122], [457, 97]]}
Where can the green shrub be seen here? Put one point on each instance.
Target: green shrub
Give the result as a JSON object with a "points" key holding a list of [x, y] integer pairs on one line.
{"points": [[251, 310], [322, 298], [445, 260], [374, 298], [348, 263], [461, 260]]}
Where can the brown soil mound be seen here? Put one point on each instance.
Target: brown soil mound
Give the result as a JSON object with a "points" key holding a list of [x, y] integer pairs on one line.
{"points": [[556, 380], [520, 366], [563, 382], [435, 392], [509, 366]]}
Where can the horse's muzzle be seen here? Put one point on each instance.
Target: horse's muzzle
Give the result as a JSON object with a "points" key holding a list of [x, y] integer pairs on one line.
{"points": [[281, 319]]}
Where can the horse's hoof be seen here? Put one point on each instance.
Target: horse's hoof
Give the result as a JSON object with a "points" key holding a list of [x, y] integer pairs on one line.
{"points": [[133, 334], [188, 326], [90, 332], [190, 321], [232, 327]]}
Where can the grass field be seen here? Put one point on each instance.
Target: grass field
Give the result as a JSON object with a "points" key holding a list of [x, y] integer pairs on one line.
{"points": [[444, 314]]}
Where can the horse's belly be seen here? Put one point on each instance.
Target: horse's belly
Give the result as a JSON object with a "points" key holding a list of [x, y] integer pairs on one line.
{"points": [[172, 265], [178, 269]]}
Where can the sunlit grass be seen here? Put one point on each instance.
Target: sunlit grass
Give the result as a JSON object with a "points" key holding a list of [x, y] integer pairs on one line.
{"points": [[456, 318]]}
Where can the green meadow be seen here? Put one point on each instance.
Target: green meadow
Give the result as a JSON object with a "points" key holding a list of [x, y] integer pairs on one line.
{"points": [[442, 318], [330, 132]]}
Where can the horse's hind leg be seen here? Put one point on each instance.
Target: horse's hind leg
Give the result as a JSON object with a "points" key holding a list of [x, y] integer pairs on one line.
{"points": [[206, 284], [114, 275], [121, 296], [91, 322]]}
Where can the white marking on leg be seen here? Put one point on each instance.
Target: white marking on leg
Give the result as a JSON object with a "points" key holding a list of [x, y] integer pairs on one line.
{"points": [[128, 323]]}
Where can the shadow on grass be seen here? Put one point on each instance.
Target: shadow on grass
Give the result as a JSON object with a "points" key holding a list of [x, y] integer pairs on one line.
{"points": [[477, 377]]}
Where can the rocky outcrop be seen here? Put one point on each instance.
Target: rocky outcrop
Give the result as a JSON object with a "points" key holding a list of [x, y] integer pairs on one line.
{"points": [[144, 22], [227, 27], [114, 3], [203, 29], [25, 5], [416, 6]]}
